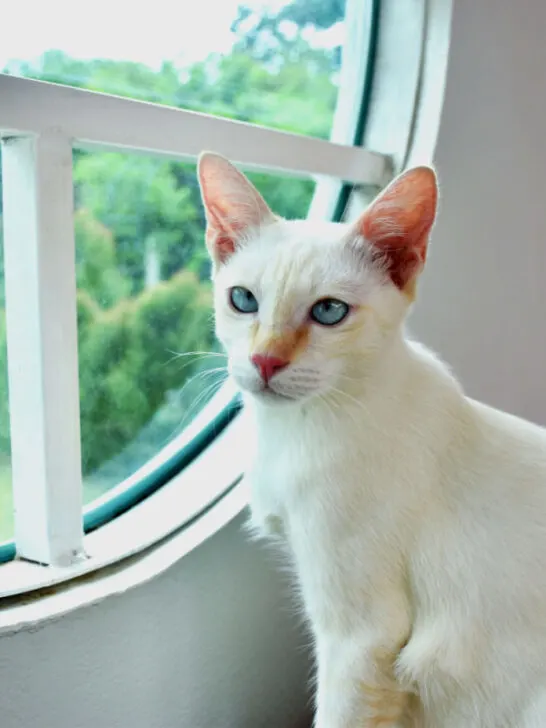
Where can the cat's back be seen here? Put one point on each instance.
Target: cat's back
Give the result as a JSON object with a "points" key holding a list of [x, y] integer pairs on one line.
{"points": [[506, 457], [479, 451], [509, 430]]}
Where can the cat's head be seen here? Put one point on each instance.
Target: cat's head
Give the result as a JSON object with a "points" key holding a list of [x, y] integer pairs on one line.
{"points": [[304, 308]]}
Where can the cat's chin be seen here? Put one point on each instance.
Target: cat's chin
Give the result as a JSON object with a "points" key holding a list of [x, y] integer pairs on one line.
{"points": [[270, 396]]}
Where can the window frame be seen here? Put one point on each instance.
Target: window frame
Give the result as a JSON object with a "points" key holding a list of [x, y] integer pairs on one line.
{"points": [[342, 167]]}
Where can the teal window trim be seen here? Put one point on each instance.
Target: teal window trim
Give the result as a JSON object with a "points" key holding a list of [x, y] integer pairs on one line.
{"points": [[96, 517], [7, 551], [139, 491]]}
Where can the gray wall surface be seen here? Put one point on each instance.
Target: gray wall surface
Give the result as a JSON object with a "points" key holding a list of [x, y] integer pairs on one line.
{"points": [[482, 301]]}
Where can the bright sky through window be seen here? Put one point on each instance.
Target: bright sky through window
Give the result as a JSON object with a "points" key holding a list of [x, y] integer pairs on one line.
{"points": [[149, 33]]}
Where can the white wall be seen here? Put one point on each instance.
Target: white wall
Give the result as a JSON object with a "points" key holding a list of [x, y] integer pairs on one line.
{"points": [[211, 644], [482, 302]]}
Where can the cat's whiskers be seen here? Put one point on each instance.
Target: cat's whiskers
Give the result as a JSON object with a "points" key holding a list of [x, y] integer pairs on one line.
{"points": [[196, 356], [354, 400], [178, 354], [209, 372], [328, 404], [206, 394], [349, 378], [202, 375], [341, 410]]}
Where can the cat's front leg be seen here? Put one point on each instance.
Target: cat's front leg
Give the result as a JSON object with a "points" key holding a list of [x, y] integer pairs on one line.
{"points": [[356, 687]]}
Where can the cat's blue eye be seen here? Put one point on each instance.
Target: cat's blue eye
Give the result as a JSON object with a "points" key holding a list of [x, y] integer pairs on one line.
{"points": [[329, 311], [243, 300]]}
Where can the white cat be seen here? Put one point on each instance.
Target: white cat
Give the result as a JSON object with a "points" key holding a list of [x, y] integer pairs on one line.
{"points": [[415, 516]]}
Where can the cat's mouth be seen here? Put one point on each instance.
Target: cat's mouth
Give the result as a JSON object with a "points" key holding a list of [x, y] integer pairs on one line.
{"points": [[268, 394]]}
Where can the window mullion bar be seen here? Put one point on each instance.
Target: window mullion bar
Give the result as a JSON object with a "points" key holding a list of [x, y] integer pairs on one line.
{"points": [[42, 347], [101, 121]]}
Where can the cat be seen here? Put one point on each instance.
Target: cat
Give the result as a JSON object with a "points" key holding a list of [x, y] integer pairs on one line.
{"points": [[414, 515]]}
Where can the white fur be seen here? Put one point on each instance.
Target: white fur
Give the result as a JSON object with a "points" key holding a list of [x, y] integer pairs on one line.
{"points": [[416, 517]]}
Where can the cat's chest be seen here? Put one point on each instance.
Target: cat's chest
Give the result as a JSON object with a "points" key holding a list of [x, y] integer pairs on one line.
{"points": [[323, 508], [278, 477], [288, 475], [315, 475]]}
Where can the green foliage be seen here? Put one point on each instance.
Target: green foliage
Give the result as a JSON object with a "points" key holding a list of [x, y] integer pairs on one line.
{"points": [[2, 290], [288, 197], [319, 13], [96, 268], [58, 67], [295, 93], [124, 356], [140, 199], [266, 37]]}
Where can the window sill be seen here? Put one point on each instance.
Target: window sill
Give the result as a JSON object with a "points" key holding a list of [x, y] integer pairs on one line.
{"points": [[136, 546]]}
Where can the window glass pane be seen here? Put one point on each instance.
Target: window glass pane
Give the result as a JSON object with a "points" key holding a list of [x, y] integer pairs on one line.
{"points": [[148, 357], [270, 62], [6, 504]]}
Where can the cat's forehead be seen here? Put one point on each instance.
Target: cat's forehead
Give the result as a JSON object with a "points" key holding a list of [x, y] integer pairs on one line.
{"points": [[319, 233], [306, 257]]}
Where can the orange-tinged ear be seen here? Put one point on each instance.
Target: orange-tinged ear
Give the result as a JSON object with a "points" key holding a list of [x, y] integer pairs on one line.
{"points": [[398, 223], [233, 206]]}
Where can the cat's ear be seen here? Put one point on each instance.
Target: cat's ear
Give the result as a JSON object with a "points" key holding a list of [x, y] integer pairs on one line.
{"points": [[398, 223], [232, 204]]}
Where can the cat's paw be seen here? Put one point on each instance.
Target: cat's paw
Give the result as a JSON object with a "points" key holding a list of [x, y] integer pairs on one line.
{"points": [[265, 525], [270, 526], [264, 521], [273, 526]]}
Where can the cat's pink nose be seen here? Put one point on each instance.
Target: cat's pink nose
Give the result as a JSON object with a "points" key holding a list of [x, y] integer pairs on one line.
{"points": [[268, 365]]}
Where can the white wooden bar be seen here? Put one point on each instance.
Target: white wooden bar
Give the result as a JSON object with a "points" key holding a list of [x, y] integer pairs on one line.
{"points": [[104, 121], [42, 347]]}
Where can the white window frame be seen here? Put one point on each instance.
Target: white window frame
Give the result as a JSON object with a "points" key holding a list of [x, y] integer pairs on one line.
{"points": [[40, 123]]}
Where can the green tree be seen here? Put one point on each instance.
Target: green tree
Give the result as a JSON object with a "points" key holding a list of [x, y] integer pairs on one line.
{"points": [[55, 66], [124, 355], [267, 36], [321, 14], [122, 78], [139, 200], [97, 272], [293, 91]]}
